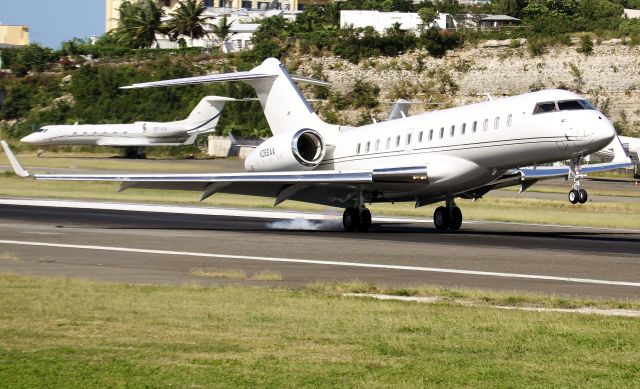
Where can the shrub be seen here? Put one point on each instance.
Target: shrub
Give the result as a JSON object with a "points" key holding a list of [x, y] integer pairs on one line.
{"points": [[586, 45]]}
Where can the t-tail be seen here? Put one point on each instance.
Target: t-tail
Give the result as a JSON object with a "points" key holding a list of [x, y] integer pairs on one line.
{"points": [[284, 106]]}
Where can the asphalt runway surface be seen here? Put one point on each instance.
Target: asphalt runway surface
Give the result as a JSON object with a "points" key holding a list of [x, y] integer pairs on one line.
{"points": [[165, 248]]}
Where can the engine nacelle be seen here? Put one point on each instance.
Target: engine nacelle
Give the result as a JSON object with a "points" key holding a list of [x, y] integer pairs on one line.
{"points": [[297, 150], [163, 130]]}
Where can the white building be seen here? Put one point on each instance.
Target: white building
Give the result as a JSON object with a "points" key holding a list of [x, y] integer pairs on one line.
{"points": [[380, 21], [243, 24]]}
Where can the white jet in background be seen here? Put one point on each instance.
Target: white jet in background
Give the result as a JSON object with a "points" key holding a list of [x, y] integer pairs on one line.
{"points": [[461, 152], [631, 147], [202, 120]]}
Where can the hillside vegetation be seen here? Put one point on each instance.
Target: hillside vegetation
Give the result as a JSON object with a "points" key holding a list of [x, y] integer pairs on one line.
{"points": [[585, 46]]}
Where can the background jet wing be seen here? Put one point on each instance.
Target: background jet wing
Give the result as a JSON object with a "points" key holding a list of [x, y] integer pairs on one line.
{"points": [[542, 172]]}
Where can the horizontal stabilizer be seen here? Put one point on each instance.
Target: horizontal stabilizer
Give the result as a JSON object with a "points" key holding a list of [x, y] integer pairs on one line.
{"points": [[238, 76]]}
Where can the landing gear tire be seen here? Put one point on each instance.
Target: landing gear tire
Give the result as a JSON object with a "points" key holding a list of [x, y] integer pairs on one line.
{"points": [[365, 220], [351, 219], [582, 196], [455, 222], [441, 219], [574, 196]]}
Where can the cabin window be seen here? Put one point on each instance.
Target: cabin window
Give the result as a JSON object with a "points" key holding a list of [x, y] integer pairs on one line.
{"points": [[408, 138], [388, 143], [377, 144], [366, 148], [75, 133], [420, 137], [474, 126], [452, 131], [358, 149], [430, 134], [485, 125], [548, 106], [441, 132], [398, 141], [463, 129], [496, 122], [509, 120]]}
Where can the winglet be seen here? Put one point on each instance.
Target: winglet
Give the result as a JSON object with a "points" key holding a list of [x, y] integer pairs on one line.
{"points": [[17, 167]]}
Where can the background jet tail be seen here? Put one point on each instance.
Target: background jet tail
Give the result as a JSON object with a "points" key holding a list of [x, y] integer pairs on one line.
{"points": [[205, 115]]}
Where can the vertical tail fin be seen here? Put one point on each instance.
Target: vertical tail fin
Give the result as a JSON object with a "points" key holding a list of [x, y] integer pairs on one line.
{"points": [[284, 105]]}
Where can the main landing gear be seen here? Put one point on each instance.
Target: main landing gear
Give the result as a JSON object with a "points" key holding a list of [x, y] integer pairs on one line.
{"points": [[576, 194], [356, 219], [448, 218]]}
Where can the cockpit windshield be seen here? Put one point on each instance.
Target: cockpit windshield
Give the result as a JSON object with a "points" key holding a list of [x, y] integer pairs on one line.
{"points": [[42, 130], [564, 105], [548, 106]]}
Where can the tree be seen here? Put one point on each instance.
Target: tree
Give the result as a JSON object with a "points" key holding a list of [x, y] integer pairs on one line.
{"points": [[222, 31], [506, 7], [139, 23], [427, 15], [187, 20]]}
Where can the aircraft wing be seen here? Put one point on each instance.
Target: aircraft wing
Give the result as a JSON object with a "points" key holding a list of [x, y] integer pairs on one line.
{"points": [[328, 184]]}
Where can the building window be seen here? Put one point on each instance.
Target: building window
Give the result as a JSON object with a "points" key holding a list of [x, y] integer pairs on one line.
{"points": [[208, 3], [474, 126], [398, 141], [245, 4], [366, 149], [485, 125], [441, 132], [452, 131], [509, 120], [377, 144], [358, 149], [430, 134], [463, 128], [420, 137], [496, 122]]}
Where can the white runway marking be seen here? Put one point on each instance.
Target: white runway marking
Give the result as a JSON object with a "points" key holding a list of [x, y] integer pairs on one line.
{"points": [[327, 263]]}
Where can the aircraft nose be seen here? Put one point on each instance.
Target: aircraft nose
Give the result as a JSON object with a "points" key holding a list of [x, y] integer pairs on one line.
{"points": [[31, 138]]}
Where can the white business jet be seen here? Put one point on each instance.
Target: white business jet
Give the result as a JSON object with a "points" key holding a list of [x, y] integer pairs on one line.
{"points": [[203, 119], [442, 155]]}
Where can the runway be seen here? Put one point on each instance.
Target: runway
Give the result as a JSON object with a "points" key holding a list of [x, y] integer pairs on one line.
{"points": [[162, 246]]}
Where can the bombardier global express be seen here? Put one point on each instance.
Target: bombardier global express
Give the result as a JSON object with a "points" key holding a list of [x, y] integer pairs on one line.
{"points": [[438, 156]]}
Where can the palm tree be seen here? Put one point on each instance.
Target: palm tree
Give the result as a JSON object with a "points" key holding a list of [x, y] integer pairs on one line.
{"points": [[139, 23], [222, 31], [187, 20]]}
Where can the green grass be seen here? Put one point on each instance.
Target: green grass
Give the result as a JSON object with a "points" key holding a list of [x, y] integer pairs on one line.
{"points": [[70, 333]]}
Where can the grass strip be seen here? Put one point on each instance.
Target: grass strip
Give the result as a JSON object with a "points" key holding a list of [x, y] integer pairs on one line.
{"points": [[73, 333]]}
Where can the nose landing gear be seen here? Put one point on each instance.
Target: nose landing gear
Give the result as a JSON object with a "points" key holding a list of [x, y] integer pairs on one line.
{"points": [[576, 194], [449, 217]]}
